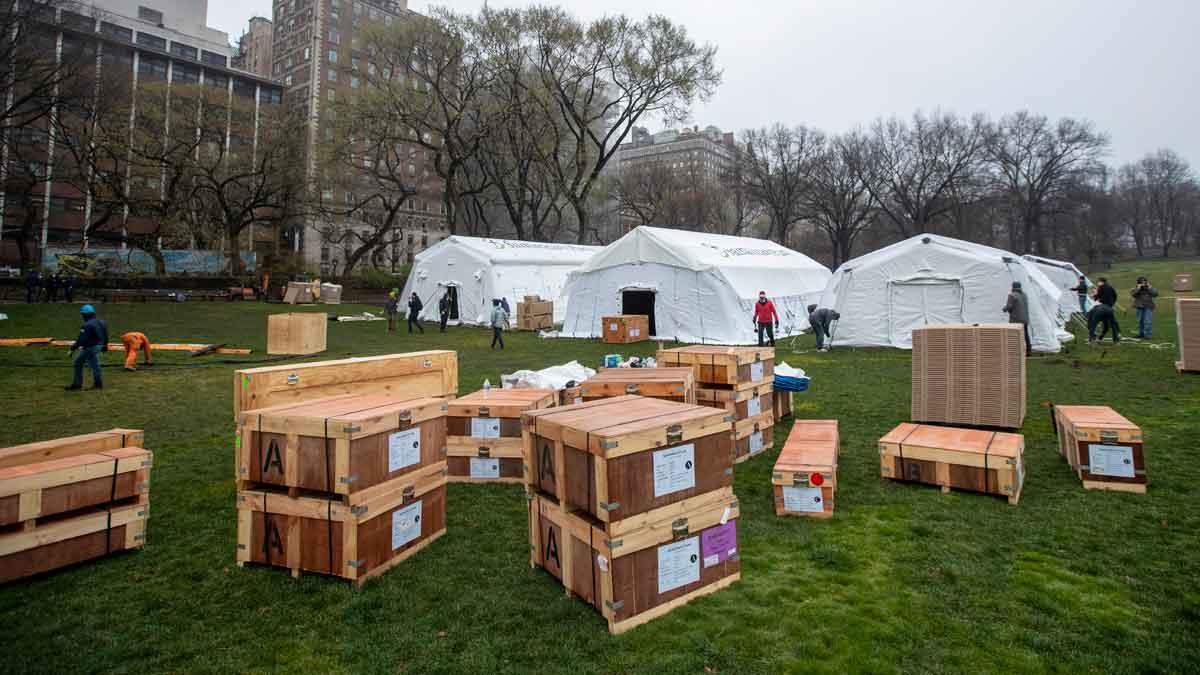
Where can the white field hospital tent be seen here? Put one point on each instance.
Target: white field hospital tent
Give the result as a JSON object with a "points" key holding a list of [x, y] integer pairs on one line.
{"points": [[1065, 276], [928, 280], [695, 287], [473, 270]]}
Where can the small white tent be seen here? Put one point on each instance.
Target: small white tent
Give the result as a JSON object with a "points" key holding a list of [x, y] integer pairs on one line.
{"points": [[473, 270], [930, 279], [695, 287], [1065, 276]]}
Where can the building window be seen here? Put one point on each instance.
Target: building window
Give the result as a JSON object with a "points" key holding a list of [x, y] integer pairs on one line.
{"points": [[333, 35], [270, 95], [184, 74], [353, 82], [112, 30], [307, 53], [152, 68], [186, 51], [216, 80], [333, 56], [152, 41], [214, 59], [78, 22], [332, 75], [150, 15], [243, 88]]}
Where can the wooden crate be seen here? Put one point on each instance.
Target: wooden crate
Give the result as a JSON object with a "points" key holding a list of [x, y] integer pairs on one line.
{"points": [[724, 367], [70, 446], [30, 493], [327, 536], [750, 441], [431, 373], [342, 444], [1187, 321], [1102, 447], [965, 459], [483, 443], [570, 395], [1183, 282], [297, 333], [84, 535], [782, 405], [670, 384], [752, 414], [617, 457], [625, 328], [805, 475], [300, 292], [970, 375], [658, 562]]}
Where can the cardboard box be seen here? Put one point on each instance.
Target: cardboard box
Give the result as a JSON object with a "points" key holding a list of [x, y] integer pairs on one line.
{"points": [[297, 333], [625, 328], [971, 375]]}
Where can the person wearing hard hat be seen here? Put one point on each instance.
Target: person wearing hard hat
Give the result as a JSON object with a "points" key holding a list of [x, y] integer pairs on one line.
{"points": [[764, 312], [392, 308], [92, 340], [134, 341]]}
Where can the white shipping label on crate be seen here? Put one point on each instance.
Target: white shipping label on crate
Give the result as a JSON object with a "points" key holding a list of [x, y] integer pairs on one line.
{"points": [[803, 499], [578, 400], [484, 467], [406, 525], [674, 469], [635, 332], [678, 564], [404, 449], [612, 327], [756, 442], [1110, 460], [753, 407], [756, 371], [485, 427]]}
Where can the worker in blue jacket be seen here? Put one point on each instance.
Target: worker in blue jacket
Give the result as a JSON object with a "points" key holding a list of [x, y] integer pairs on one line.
{"points": [[92, 340]]}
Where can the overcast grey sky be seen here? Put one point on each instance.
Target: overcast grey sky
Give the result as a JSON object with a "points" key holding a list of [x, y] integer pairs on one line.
{"points": [[1131, 67]]}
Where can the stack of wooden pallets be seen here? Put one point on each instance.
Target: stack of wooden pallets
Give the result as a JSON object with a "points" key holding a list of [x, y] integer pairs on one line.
{"points": [[670, 384], [738, 380], [1187, 320], [631, 504], [805, 475], [341, 465], [1102, 447], [535, 314], [70, 500], [483, 443], [969, 374]]}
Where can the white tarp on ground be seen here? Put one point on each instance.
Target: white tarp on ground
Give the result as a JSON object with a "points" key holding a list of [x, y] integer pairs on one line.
{"points": [[1065, 275], [930, 279], [481, 269], [703, 285]]}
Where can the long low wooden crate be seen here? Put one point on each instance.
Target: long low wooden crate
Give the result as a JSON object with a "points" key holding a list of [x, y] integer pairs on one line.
{"points": [[1104, 449], [430, 373], [617, 457], [85, 535], [483, 442], [804, 479], [30, 492], [342, 444], [625, 328], [326, 536], [964, 459], [657, 562], [670, 384], [70, 446], [724, 367]]}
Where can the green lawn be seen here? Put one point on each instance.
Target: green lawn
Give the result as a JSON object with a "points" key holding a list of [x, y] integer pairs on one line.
{"points": [[903, 578]]}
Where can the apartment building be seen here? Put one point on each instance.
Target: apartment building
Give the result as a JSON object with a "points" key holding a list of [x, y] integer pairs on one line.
{"points": [[708, 152], [319, 59], [141, 49], [256, 48]]}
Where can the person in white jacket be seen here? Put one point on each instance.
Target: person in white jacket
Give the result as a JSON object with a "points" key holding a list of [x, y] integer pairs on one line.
{"points": [[499, 323]]}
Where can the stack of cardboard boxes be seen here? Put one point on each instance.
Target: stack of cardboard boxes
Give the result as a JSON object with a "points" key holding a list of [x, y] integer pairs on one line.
{"points": [[533, 313], [1187, 320]]}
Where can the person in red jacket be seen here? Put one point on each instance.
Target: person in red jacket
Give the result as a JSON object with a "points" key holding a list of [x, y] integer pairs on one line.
{"points": [[765, 318]]}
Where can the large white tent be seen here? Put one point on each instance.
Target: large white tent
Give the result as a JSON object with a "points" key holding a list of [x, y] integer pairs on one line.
{"points": [[1065, 276], [473, 270], [696, 287], [930, 279]]}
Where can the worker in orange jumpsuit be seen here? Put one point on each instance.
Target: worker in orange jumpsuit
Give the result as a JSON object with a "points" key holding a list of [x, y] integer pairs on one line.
{"points": [[133, 342]]}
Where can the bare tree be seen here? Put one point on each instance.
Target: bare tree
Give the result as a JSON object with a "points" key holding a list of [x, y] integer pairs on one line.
{"points": [[1036, 161], [739, 209], [1160, 191], [777, 168], [838, 199]]}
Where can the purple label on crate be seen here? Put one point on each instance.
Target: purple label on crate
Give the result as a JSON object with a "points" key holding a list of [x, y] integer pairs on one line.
{"points": [[719, 543]]}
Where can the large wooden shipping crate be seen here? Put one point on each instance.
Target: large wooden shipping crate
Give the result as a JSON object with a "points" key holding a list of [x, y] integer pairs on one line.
{"points": [[783, 405], [752, 413], [1183, 282], [327, 535], [1187, 320], [618, 457], [1102, 447], [625, 328], [483, 443], [345, 445], [72, 499], [670, 384], [430, 373], [969, 374], [964, 459], [724, 367], [297, 333], [804, 479], [636, 570]]}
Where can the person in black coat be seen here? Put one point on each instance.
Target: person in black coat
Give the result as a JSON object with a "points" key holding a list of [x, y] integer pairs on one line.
{"points": [[69, 287], [92, 341], [33, 286], [444, 310], [1105, 293], [414, 313]]}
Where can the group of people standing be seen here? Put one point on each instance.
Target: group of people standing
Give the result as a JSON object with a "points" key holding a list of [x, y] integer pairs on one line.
{"points": [[1103, 313], [498, 319], [46, 288]]}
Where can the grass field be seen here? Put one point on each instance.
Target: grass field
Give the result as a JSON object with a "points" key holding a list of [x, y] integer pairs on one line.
{"points": [[903, 578]]}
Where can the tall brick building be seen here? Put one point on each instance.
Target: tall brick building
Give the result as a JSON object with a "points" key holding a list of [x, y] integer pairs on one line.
{"points": [[256, 48]]}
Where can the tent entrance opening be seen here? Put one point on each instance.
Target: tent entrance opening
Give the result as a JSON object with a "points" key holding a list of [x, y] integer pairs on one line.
{"points": [[639, 302], [923, 302], [452, 293]]}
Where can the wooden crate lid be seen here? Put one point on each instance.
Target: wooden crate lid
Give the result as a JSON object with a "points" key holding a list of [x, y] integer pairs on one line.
{"points": [[806, 456], [899, 434], [814, 430], [14, 479], [642, 375], [956, 439], [715, 354], [501, 402], [622, 425], [1099, 416], [338, 416], [70, 446]]}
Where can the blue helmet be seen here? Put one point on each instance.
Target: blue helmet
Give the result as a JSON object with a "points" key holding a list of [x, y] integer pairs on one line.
{"points": [[87, 309]]}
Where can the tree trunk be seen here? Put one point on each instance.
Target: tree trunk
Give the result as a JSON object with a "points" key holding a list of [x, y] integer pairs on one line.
{"points": [[236, 268], [581, 219]]}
